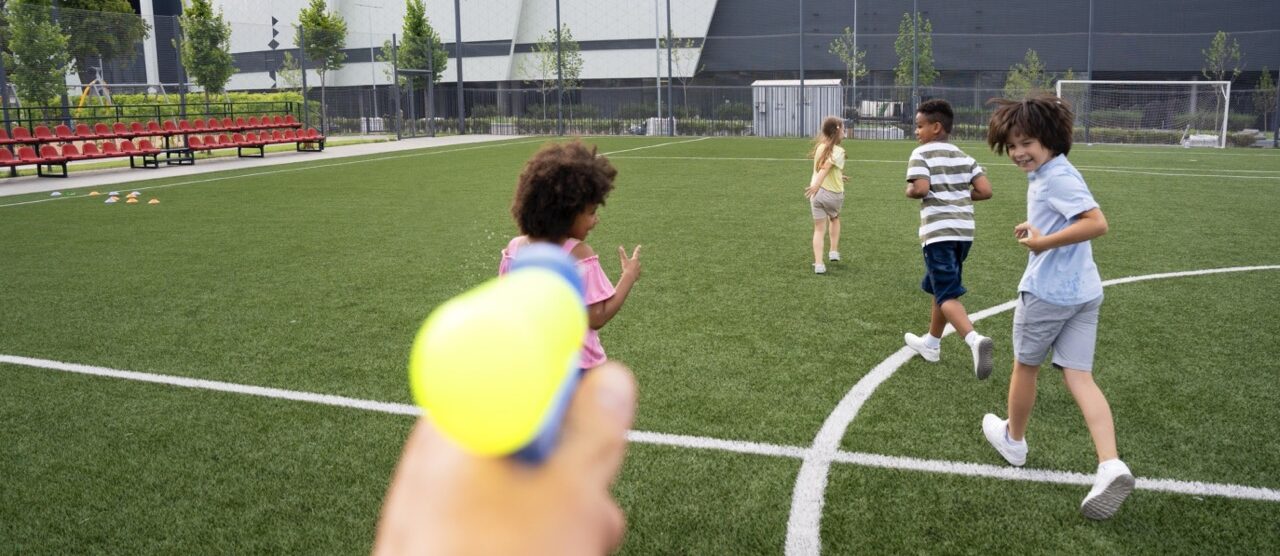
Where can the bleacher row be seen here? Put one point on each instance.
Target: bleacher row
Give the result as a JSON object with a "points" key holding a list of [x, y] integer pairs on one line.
{"points": [[179, 141]]}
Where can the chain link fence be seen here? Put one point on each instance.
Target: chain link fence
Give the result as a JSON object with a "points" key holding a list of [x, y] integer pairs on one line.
{"points": [[658, 67]]}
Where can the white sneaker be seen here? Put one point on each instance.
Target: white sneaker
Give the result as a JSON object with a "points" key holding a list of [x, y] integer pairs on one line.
{"points": [[834, 256], [982, 364], [997, 432], [819, 268], [1111, 486], [930, 354]]}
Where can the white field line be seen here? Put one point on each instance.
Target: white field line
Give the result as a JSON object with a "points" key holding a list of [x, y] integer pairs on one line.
{"points": [[676, 440], [656, 146], [295, 166], [804, 523], [1119, 169]]}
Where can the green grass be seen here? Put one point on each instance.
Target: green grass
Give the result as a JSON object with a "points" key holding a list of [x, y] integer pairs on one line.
{"points": [[315, 276]]}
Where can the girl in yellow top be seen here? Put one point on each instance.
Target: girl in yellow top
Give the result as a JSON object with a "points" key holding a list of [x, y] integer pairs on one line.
{"points": [[826, 189]]}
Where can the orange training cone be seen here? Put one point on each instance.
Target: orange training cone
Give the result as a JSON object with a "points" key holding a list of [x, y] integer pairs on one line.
{"points": [[132, 200], [153, 202]]}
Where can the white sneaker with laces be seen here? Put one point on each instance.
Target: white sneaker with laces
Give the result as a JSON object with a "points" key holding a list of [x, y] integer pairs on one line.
{"points": [[1113, 483], [997, 432], [819, 268], [834, 256], [982, 348], [930, 354]]}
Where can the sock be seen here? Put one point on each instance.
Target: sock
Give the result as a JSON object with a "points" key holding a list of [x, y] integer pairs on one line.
{"points": [[932, 341], [1010, 439], [971, 337]]}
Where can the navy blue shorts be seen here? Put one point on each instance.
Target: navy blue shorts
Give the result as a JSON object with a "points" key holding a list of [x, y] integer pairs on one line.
{"points": [[943, 263]]}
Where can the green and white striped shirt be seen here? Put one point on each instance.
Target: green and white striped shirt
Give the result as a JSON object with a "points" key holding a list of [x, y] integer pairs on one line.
{"points": [[946, 212]]}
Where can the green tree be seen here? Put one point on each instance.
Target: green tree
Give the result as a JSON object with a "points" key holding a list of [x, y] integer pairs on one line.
{"points": [[37, 60], [206, 47], [1264, 100], [684, 54], [101, 31], [326, 37], [845, 47], [925, 72], [290, 72], [1027, 78], [1221, 59], [419, 44], [542, 68]]}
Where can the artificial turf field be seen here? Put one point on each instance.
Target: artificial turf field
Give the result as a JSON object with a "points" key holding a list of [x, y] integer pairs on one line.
{"points": [[313, 277]]}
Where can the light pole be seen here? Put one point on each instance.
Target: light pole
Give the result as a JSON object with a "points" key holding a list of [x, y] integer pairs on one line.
{"points": [[373, 71]]}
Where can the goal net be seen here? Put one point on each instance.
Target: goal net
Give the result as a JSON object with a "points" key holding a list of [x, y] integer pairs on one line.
{"points": [[1187, 113]]}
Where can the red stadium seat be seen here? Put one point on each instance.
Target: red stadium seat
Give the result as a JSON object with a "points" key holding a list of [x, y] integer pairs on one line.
{"points": [[70, 152], [197, 125], [229, 124], [103, 130], [138, 129], [21, 135], [4, 138], [170, 128], [43, 134], [109, 149], [185, 126], [153, 130], [50, 157], [127, 147], [241, 124], [27, 155], [7, 159], [64, 133], [214, 124], [83, 132], [293, 122], [252, 123], [119, 129], [90, 150], [145, 146]]}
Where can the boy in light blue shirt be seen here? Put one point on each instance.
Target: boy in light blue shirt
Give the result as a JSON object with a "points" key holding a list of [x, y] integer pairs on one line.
{"points": [[1060, 291]]}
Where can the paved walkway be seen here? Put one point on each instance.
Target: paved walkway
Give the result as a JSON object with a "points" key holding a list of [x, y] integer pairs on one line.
{"points": [[117, 176]]}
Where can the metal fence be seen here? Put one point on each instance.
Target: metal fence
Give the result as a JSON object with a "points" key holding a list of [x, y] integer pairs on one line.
{"points": [[649, 67]]}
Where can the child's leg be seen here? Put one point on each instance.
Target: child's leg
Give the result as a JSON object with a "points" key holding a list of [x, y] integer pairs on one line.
{"points": [[1022, 398], [951, 311], [1097, 412], [835, 233], [819, 230]]}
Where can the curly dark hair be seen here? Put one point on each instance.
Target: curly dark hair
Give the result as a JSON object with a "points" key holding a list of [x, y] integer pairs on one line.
{"points": [[1045, 117], [558, 183], [938, 111]]}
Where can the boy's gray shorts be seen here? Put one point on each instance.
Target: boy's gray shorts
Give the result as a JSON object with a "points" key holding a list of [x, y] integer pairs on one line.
{"points": [[1070, 330], [826, 204]]}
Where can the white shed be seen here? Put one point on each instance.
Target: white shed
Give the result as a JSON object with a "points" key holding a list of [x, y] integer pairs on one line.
{"points": [[777, 106]]}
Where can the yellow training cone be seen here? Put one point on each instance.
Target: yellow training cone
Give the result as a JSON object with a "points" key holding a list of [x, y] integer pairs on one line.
{"points": [[132, 200], [94, 193], [153, 202]]}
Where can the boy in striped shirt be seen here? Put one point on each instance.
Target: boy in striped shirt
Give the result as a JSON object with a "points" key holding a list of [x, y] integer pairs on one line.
{"points": [[947, 182]]}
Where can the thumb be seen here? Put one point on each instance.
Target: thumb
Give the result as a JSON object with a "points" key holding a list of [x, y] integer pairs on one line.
{"points": [[595, 428]]}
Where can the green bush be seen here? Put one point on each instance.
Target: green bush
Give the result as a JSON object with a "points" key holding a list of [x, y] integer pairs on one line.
{"points": [[139, 107], [1239, 139], [1117, 118], [733, 111]]}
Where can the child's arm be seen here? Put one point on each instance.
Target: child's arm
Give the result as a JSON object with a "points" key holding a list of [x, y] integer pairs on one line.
{"points": [[601, 312], [817, 180], [918, 188], [1087, 225], [981, 189]]}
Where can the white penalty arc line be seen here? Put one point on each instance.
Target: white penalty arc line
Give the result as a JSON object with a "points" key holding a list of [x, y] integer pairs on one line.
{"points": [[674, 440], [808, 497], [294, 166]]}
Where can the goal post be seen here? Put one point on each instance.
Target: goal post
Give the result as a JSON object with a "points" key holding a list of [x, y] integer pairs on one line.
{"points": [[1187, 113]]}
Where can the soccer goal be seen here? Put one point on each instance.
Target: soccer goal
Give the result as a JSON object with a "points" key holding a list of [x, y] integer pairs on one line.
{"points": [[1187, 113]]}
